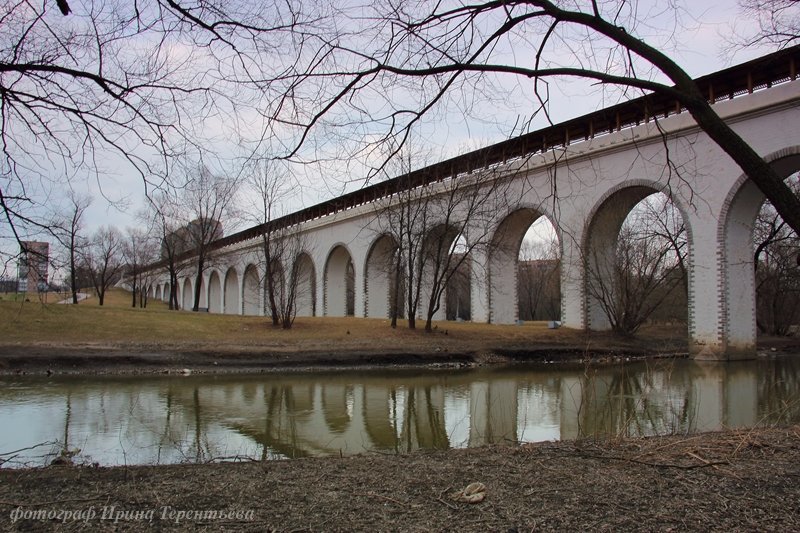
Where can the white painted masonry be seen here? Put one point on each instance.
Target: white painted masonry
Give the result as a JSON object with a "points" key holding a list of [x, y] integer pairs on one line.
{"points": [[585, 189]]}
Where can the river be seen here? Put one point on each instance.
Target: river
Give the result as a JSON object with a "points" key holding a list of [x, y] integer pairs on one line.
{"points": [[111, 420]]}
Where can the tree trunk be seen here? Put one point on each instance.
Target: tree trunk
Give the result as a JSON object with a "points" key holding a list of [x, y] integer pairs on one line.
{"points": [[198, 279]]}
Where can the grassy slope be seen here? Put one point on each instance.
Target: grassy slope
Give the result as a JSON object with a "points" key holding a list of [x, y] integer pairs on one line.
{"points": [[117, 323]]}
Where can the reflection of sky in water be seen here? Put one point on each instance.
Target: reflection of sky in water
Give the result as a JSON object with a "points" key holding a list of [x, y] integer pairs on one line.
{"points": [[456, 416], [200, 418], [538, 415]]}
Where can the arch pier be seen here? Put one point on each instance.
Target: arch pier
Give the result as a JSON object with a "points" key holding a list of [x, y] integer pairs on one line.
{"points": [[584, 176]]}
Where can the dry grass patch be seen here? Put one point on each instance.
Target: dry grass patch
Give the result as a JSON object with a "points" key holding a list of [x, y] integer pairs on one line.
{"points": [[155, 327]]}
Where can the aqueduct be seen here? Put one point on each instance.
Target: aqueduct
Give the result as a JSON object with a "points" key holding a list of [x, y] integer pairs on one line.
{"points": [[584, 175]]}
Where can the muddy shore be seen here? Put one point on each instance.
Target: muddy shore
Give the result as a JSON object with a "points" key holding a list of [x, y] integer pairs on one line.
{"points": [[93, 359], [137, 358], [729, 481]]}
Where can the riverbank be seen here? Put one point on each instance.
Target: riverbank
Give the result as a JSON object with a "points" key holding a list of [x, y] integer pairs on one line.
{"points": [[731, 481], [44, 338], [198, 358]]}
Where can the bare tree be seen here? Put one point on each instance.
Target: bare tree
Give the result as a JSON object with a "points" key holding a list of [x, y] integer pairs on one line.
{"points": [[68, 228], [434, 50], [435, 229], [162, 217], [290, 245], [103, 259], [209, 198], [269, 182], [405, 218], [539, 278], [778, 22], [644, 269], [95, 84], [281, 242], [138, 249], [777, 264]]}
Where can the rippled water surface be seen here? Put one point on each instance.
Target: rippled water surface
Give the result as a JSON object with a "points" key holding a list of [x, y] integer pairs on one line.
{"points": [[127, 420]]}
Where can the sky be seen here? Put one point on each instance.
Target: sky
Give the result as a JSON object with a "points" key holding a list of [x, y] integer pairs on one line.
{"points": [[700, 43]]}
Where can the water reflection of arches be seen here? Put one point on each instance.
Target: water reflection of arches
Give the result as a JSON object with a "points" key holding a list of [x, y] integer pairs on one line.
{"points": [[335, 399], [175, 419], [493, 412], [379, 402], [423, 420]]}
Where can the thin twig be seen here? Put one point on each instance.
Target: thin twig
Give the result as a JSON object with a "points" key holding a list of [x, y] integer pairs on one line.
{"points": [[387, 498]]}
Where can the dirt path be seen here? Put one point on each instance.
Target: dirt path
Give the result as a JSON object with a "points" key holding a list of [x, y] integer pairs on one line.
{"points": [[733, 481]]}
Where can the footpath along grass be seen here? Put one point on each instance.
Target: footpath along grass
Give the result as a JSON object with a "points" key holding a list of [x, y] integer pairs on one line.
{"points": [[117, 323]]}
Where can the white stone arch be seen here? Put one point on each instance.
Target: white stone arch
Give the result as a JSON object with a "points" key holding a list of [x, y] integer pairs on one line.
{"points": [[339, 298], [252, 294], [502, 273], [166, 294], [214, 292], [305, 284], [735, 234], [187, 294], [601, 229], [157, 292], [230, 294], [378, 276], [440, 238]]}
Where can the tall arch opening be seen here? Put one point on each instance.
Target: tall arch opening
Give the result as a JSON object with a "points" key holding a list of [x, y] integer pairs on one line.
{"points": [[635, 256], [339, 280], [524, 269], [379, 277], [188, 295], [305, 285], [458, 293], [539, 273], [251, 297], [214, 293], [231, 305], [443, 252], [762, 264]]}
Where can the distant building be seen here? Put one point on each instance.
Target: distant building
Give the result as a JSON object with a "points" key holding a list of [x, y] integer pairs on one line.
{"points": [[34, 259]]}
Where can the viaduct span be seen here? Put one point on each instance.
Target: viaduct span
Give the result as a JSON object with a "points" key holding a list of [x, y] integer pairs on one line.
{"points": [[584, 175]]}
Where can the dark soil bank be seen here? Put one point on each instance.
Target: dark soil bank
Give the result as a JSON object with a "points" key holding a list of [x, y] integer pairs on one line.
{"points": [[731, 481]]}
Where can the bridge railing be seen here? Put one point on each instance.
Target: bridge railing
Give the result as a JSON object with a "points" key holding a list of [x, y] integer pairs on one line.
{"points": [[761, 73]]}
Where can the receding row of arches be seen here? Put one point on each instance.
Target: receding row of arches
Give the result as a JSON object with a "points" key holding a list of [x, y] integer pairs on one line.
{"points": [[525, 244]]}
